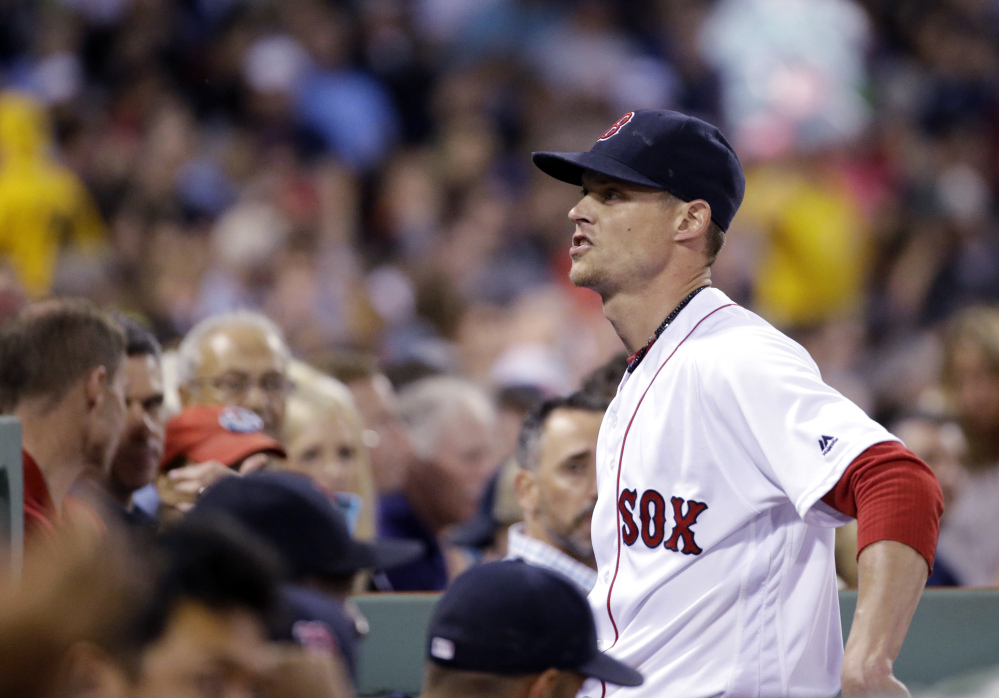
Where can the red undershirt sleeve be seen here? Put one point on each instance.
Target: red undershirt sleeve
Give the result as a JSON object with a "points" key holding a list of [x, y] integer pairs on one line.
{"points": [[893, 495]]}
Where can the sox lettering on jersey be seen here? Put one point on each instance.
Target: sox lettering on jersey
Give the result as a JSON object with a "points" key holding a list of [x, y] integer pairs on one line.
{"points": [[652, 515]]}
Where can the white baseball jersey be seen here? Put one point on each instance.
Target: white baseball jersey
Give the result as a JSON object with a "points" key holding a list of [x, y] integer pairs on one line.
{"points": [[716, 573]]}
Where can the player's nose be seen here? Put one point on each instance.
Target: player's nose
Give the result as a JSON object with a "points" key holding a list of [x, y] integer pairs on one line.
{"points": [[581, 213]]}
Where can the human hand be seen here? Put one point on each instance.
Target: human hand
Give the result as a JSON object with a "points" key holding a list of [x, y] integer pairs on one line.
{"points": [[254, 463], [179, 488], [871, 680]]}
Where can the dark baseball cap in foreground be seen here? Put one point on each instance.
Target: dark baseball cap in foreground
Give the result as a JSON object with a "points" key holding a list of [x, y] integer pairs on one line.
{"points": [[512, 618], [292, 514], [667, 150]]}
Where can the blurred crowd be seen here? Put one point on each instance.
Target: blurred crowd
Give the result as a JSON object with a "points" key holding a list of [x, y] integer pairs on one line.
{"points": [[323, 278]]}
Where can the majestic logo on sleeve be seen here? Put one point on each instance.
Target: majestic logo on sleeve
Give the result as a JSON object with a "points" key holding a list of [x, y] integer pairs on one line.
{"points": [[653, 519], [826, 443]]}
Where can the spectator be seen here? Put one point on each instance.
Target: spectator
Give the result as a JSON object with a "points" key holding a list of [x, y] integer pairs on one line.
{"points": [[288, 512], [450, 424], [62, 374], [379, 407], [211, 442], [508, 629], [137, 459], [76, 592], [202, 630], [43, 205], [325, 441], [971, 380], [940, 444], [488, 532], [239, 359], [513, 404], [557, 487], [602, 382]]}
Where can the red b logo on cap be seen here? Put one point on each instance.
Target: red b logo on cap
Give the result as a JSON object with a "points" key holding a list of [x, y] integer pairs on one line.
{"points": [[617, 126]]}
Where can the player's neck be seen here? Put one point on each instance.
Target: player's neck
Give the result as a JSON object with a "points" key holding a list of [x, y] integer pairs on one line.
{"points": [[635, 316]]}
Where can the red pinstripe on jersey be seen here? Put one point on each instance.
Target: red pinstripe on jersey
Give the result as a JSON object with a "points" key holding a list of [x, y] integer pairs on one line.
{"points": [[617, 565]]}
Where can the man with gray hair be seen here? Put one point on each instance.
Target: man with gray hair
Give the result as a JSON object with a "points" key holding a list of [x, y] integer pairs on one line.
{"points": [[557, 486], [451, 425], [237, 359]]}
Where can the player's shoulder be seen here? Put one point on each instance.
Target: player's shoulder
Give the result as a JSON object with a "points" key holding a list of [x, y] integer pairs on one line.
{"points": [[735, 331], [736, 342]]}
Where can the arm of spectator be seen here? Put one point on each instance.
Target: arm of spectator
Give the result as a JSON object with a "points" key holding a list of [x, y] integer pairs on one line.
{"points": [[307, 673], [179, 488]]}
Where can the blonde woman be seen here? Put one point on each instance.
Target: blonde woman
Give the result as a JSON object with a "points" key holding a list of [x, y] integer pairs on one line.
{"points": [[323, 439], [968, 543]]}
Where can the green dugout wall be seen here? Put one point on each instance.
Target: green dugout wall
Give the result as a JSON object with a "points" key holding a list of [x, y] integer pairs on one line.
{"points": [[11, 496], [954, 631]]}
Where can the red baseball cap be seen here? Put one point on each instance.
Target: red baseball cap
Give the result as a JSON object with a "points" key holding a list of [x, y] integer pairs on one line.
{"points": [[216, 432]]}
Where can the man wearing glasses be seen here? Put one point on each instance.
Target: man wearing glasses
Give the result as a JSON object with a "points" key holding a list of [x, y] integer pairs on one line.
{"points": [[237, 359]]}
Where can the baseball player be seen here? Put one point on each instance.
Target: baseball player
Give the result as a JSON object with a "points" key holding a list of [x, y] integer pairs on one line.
{"points": [[724, 462]]}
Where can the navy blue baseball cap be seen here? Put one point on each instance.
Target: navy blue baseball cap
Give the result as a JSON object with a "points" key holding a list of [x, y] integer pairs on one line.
{"points": [[513, 618], [666, 150], [290, 513], [319, 621]]}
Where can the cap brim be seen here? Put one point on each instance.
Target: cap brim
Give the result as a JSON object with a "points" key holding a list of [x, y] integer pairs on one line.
{"points": [[607, 669], [230, 449], [569, 167]]}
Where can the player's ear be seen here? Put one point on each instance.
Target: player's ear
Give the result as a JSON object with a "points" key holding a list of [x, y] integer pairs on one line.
{"points": [[525, 484], [695, 217], [95, 386], [556, 683], [544, 686]]}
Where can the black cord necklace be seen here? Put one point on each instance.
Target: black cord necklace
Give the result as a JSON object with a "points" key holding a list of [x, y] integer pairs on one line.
{"points": [[637, 357]]}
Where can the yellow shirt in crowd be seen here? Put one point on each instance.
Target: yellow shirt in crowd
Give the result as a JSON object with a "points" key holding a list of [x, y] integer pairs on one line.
{"points": [[43, 205], [814, 246]]}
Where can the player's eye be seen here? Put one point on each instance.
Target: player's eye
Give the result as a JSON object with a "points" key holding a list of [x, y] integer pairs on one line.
{"points": [[611, 195]]}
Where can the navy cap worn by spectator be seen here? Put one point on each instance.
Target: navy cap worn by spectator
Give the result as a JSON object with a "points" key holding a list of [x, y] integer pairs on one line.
{"points": [[320, 622], [513, 619], [293, 515], [667, 150]]}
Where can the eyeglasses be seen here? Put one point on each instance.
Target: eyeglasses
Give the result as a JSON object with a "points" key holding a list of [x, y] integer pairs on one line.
{"points": [[235, 386]]}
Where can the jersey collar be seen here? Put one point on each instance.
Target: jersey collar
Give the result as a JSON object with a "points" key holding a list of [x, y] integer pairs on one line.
{"points": [[704, 302]]}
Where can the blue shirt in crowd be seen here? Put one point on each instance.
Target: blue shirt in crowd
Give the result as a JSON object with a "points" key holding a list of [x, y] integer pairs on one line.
{"points": [[396, 519]]}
